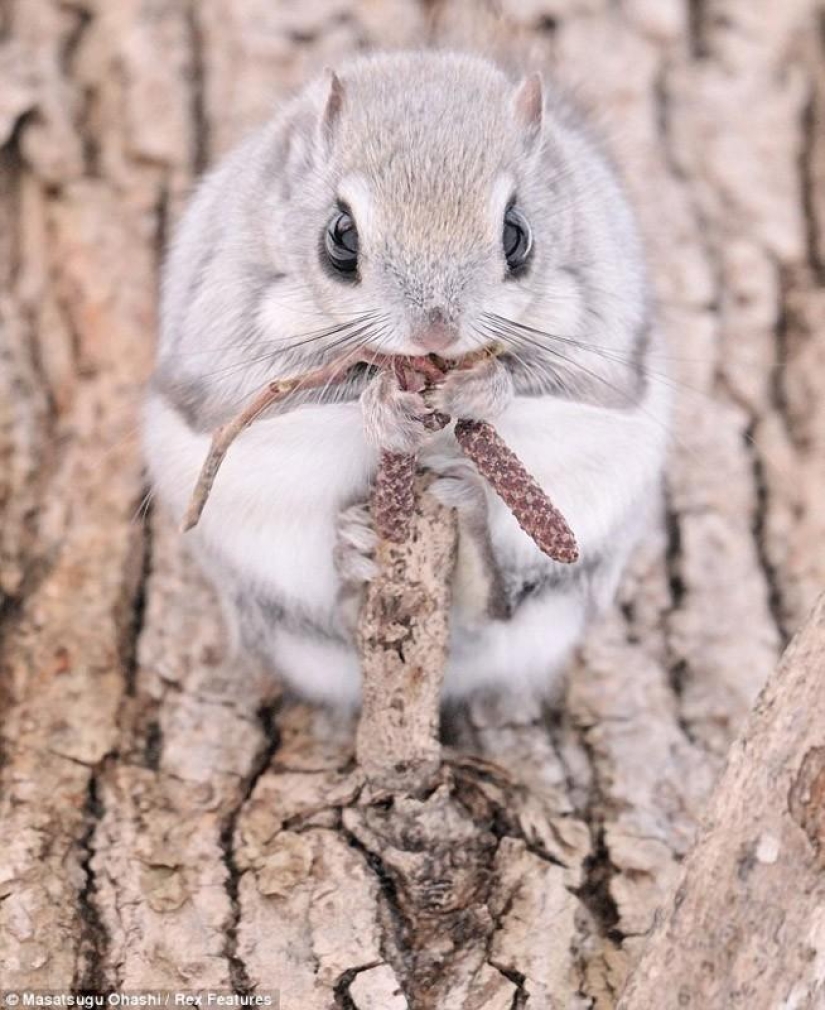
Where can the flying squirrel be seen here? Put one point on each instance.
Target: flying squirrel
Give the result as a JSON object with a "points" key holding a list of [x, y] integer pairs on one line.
{"points": [[410, 203]]}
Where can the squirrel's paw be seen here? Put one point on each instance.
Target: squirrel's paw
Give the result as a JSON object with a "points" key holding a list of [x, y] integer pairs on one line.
{"points": [[355, 545], [479, 393], [394, 418], [353, 557], [458, 485]]}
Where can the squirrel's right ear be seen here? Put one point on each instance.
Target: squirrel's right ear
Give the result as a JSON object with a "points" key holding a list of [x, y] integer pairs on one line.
{"points": [[528, 106], [332, 106]]}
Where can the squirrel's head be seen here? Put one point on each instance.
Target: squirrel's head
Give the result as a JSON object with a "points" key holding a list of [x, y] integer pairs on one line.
{"points": [[417, 192]]}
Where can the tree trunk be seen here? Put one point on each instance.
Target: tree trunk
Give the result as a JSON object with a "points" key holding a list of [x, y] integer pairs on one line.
{"points": [[169, 820]]}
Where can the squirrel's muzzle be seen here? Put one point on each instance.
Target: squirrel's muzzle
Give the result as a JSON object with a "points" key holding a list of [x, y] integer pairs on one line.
{"points": [[436, 334]]}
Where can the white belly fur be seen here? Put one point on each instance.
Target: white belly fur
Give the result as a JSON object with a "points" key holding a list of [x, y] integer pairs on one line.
{"points": [[273, 509]]}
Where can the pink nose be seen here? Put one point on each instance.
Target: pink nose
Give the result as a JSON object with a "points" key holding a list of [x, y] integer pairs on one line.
{"points": [[436, 336]]}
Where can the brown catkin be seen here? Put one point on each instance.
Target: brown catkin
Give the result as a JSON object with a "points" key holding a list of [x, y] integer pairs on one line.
{"points": [[393, 495], [534, 511]]}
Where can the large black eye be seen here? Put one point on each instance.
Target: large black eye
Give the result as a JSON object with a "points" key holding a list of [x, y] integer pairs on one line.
{"points": [[341, 243], [517, 239]]}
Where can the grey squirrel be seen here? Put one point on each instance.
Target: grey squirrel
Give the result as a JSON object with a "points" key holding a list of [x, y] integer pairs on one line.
{"points": [[410, 203]]}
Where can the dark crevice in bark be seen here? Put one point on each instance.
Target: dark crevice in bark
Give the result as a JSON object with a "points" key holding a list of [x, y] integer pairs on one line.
{"points": [[87, 95], [811, 127], [598, 869], [547, 24], [241, 983], [134, 605], [10, 171], [520, 997], [394, 943], [673, 559], [677, 666], [594, 893], [698, 29], [760, 519], [500, 822], [94, 940], [340, 991], [200, 120], [130, 614], [556, 721], [784, 334], [152, 745], [162, 216], [133, 745], [8, 606]]}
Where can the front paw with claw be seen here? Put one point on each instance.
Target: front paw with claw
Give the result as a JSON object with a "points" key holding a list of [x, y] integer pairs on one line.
{"points": [[354, 560], [395, 419], [457, 484], [479, 393]]}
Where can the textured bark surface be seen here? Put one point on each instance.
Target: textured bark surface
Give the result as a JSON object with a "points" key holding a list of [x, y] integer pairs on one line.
{"points": [[734, 936], [166, 820]]}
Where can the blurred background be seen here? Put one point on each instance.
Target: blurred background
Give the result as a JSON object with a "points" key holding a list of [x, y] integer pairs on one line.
{"points": [[122, 740]]}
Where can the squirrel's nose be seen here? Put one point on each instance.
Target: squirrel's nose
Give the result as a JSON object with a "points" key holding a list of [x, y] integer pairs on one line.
{"points": [[436, 334]]}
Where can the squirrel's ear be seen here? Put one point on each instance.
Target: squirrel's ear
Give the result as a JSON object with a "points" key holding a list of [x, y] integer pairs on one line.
{"points": [[333, 105], [528, 105]]}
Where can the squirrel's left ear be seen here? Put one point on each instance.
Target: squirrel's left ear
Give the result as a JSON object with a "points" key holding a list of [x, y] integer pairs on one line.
{"points": [[528, 106], [333, 105]]}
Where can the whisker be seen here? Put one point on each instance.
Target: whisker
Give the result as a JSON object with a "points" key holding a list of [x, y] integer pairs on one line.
{"points": [[261, 340], [575, 364], [610, 354], [351, 341], [141, 513], [286, 349]]}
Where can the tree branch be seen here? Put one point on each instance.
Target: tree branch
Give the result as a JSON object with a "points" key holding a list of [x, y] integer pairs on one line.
{"points": [[402, 637], [747, 926]]}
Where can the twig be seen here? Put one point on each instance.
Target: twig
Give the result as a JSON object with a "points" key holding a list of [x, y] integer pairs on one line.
{"points": [[403, 633], [223, 438], [393, 496]]}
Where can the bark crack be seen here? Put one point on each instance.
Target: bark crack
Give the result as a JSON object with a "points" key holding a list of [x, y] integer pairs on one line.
{"points": [[200, 120], [677, 667], [769, 570], [241, 983], [520, 996], [70, 45], [697, 29], [340, 991], [598, 869], [810, 127], [397, 920], [95, 940], [134, 605]]}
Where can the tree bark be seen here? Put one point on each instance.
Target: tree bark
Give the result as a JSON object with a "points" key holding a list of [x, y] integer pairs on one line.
{"points": [[169, 819], [746, 926]]}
